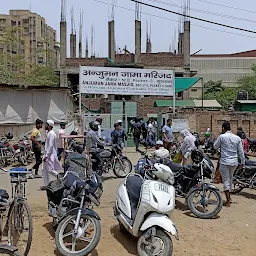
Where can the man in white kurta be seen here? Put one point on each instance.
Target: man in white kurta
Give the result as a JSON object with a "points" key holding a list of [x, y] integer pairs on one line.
{"points": [[51, 163]]}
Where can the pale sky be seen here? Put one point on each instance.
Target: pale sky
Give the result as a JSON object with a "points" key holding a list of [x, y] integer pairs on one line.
{"points": [[163, 27]]}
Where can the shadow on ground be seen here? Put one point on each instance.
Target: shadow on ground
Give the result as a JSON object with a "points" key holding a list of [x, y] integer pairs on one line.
{"points": [[125, 239], [248, 195]]}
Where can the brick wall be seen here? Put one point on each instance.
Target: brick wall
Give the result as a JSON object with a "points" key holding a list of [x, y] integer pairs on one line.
{"points": [[201, 120], [97, 103], [162, 59]]}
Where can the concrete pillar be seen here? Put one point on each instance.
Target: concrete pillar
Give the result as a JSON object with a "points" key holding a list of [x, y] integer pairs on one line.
{"points": [[148, 47], [137, 41], [72, 46], [86, 52], [180, 43], [63, 43], [186, 48], [80, 50], [63, 53], [111, 40]]}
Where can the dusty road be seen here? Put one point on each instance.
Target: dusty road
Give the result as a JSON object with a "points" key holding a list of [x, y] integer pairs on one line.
{"points": [[233, 233]]}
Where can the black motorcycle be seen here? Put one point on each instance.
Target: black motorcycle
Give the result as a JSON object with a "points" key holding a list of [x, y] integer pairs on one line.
{"points": [[209, 149], [252, 144], [245, 177], [190, 184], [113, 159], [70, 201]]}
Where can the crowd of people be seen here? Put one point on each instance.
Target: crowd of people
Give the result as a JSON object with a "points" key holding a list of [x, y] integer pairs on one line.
{"points": [[233, 148]]}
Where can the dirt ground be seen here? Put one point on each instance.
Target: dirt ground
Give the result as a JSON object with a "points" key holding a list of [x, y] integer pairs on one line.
{"points": [[232, 233]]}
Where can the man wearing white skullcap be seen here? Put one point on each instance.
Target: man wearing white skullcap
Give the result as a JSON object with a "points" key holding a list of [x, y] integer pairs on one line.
{"points": [[160, 151], [51, 162]]}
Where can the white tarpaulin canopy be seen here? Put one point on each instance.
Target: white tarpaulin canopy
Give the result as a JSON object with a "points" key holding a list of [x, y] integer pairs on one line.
{"points": [[25, 106]]}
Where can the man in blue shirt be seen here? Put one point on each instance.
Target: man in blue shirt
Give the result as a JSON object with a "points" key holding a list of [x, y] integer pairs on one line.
{"points": [[167, 134], [231, 149], [118, 136]]}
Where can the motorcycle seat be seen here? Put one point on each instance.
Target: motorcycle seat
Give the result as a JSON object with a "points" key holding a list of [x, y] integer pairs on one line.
{"points": [[175, 167], [133, 185], [250, 163], [250, 168], [70, 179], [251, 140]]}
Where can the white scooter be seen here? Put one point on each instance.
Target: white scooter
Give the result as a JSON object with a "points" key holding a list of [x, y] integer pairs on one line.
{"points": [[143, 207]]}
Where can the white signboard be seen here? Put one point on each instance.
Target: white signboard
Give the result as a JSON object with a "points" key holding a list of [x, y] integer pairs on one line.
{"points": [[179, 125], [126, 81]]}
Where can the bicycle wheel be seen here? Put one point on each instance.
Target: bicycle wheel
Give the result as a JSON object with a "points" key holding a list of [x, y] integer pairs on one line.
{"points": [[8, 250], [20, 226]]}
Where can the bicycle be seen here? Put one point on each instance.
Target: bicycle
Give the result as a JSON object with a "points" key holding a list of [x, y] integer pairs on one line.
{"points": [[6, 249], [16, 222]]}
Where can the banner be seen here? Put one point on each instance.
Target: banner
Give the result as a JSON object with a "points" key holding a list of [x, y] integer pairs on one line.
{"points": [[126, 81], [179, 124]]}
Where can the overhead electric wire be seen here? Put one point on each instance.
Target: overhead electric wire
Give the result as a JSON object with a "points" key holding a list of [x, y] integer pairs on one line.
{"points": [[226, 6], [193, 17], [206, 12], [161, 17]]}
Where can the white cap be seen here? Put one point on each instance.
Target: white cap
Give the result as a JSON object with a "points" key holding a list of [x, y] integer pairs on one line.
{"points": [[50, 122], [159, 142], [119, 121]]}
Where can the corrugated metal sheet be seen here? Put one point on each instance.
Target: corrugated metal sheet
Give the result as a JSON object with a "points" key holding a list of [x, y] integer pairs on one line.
{"points": [[207, 103]]}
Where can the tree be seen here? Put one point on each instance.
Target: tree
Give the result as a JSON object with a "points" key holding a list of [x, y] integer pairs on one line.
{"points": [[15, 68], [42, 76], [226, 97], [248, 83], [213, 87], [216, 91]]}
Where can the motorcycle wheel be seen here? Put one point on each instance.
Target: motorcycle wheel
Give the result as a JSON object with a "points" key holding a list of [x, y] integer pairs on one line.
{"points": [[73, 243], [3, 162], [120, 168], [203, 204], [160, 244], [22, 159], [237, 188]]}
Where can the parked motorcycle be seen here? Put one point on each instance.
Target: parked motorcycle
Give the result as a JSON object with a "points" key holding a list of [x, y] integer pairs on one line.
{"points": [[113, 159], [209, 149], [190, 184], [143, 207], [245, 177], [29, 154], [252, 144], [70, 201], [11, 154]]}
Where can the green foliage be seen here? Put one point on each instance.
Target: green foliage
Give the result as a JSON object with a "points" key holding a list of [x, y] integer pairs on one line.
{"points": [[216, 91], [248, 83], [42, 76], [16, 69], [226, 97], [213, 87]]}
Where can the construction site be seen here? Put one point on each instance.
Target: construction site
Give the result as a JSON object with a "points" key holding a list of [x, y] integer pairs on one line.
{"points": [[78, 54]]}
